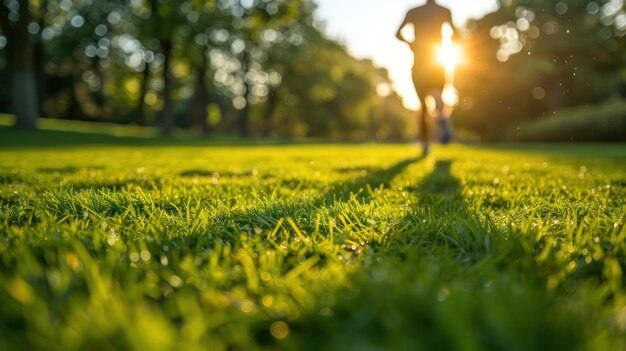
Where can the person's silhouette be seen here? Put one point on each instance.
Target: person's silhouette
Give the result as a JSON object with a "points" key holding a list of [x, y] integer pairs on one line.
{"points": [[428, 74]]}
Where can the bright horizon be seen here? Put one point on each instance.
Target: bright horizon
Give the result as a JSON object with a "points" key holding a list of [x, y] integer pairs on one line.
{"points": [[351, 21]]}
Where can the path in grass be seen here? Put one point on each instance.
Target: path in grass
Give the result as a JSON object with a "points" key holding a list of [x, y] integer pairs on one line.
{"points": [[312, 246]]}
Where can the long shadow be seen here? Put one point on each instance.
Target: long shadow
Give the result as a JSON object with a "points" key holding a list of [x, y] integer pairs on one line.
{"points": [[375, 179], [430, 289], [267, 216], [448, 219]]}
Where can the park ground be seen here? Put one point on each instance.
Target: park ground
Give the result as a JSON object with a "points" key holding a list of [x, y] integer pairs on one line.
{"points": [[129, 243]]}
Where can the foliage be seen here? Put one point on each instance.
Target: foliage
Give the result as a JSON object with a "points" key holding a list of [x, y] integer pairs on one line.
{"points": [[166, 63], [532, 57], [309, 246]]}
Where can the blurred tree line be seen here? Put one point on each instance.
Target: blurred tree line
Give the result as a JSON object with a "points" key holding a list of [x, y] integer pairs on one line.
{"points": [[531, 58], [252, 67], [265, 67]]}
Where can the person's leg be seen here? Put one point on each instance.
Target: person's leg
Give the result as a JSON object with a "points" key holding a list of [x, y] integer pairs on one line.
{"points": [[439, 104], [424, 127], [423, 119], [442, 115]]}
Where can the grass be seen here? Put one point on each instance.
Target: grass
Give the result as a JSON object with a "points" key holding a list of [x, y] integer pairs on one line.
{"points": [[340, 247]]}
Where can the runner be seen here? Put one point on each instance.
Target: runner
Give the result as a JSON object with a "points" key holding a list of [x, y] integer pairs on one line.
{"points": [[429, 75]]}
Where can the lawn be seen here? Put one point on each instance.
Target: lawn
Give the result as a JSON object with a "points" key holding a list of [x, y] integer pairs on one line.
{"points": [[126, 244]]}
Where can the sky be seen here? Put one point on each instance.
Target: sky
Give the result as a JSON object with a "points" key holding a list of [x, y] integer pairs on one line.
{"points": [[368, 28]]}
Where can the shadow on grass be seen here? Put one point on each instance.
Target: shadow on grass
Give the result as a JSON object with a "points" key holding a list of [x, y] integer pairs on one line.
{"points": [[205, 173], [267, 215], [372, 180], [432, 287]]}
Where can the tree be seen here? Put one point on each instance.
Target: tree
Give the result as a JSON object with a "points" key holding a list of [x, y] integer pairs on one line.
{"points": [[200, 36], [262, 67], [15, 20], [532, 57], [250, 19]]}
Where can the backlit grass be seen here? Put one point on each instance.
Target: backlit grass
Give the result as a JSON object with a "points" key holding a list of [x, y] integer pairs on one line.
{"points": [[361, 247]]}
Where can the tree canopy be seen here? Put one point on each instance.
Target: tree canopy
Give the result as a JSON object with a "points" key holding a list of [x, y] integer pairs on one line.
{"points": [[533, 57], [266, 67], [249, 67]]}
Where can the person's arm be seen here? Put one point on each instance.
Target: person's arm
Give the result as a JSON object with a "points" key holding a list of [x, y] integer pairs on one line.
{"points": [[399, 33]]}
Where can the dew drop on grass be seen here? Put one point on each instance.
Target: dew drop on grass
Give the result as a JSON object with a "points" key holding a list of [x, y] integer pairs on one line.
{"points": [[145, 255], [267, 300], [572, 265], [279, 330], [175, 281], [266, 276], [112, 238], [247, 306]]}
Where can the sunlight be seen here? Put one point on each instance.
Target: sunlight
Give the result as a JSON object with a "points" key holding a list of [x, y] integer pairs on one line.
{"points": [[450, 95], [448, 54]]}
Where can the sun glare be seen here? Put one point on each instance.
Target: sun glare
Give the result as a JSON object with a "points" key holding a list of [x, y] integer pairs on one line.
{"points": [[450, 95], [448, 53]]}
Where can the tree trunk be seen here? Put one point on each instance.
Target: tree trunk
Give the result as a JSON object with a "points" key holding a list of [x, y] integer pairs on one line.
{"points": [[244, 115], [75, 109], [167, 115], [20, 58], [39, 62], [200, 100], [141, 106], [40, 57], [270, 110]]}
